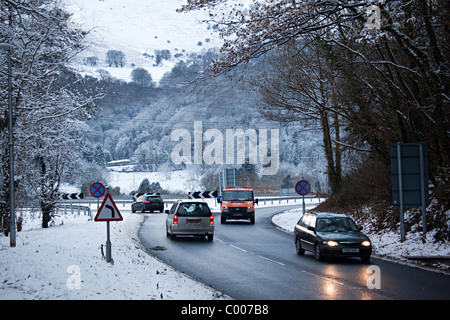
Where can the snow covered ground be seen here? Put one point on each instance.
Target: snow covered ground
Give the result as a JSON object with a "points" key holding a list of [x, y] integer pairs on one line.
{"points": [[385, 244], [179, 181], [65, 262]]}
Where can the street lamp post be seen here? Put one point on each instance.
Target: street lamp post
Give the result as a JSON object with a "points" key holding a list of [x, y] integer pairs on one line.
{"points": [[12, 216]]}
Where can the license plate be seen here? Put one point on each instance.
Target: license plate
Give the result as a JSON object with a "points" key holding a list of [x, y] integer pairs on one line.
{"points": [[194, 221], [350, 250]]}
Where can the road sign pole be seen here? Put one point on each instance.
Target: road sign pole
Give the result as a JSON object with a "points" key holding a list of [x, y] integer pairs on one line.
{"points": [[108, 235], [422, 190], [108, 243], [108, 212], [304, 208], [400, 193]]}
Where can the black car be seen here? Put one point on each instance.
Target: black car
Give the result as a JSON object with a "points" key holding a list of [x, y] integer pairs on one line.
{"points": [[331, 234], [148, 203]]}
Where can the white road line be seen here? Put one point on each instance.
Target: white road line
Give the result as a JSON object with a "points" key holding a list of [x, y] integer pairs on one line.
{"points": [[238, 248], [268, 259], [243, 250], [221, 241]]}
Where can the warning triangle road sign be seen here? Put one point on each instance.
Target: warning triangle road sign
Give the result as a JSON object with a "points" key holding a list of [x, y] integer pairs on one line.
{"points": [[108, 210]]}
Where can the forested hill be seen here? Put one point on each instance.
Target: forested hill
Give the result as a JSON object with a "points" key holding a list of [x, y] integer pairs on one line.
{"points": [[136, 121]]}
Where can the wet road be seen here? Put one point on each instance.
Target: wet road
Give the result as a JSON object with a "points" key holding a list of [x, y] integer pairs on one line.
{"points": [[259, 262]]}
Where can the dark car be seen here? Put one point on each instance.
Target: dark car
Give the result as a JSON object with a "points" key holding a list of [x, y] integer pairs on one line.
{"points": [[148, 203], [331, 234]]}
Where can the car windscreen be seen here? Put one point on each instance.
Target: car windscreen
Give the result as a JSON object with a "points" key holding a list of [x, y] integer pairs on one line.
{"points": [[237, 195], [336, 224], [193, 209]]}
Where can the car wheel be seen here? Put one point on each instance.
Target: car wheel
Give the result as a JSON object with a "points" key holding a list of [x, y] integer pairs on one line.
{"points": [[210, 237], [132, 210], [317, 253], [365, 259], [142, 209], [223, 220], [298, 247]]}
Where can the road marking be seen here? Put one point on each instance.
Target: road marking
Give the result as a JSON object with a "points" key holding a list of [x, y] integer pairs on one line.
{"points": [[268, 259], [243, 250], [240, 249]]}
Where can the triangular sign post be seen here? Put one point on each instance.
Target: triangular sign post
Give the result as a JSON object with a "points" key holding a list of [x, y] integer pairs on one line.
{"points": [[108, 210]]}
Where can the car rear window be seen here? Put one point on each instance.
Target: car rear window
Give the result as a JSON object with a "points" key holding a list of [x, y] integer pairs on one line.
{"points": [[193, 209], [153, 198]]}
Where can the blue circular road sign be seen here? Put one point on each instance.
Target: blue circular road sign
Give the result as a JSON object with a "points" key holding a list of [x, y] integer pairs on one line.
{"points": [[97, 189], [303, 187]]}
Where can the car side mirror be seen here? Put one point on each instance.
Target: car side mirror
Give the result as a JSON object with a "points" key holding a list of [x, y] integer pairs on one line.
{"points": [[256, 201], [311, 228], [219, 200], [167, 211]]}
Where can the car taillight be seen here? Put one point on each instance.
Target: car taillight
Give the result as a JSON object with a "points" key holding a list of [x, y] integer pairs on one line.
{"points": [[162, 201], [175, 219], [146, 201], [211, 220]]}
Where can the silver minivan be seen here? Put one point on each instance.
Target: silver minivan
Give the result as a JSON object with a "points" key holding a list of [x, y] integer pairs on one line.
{"points": [[190, 218]]}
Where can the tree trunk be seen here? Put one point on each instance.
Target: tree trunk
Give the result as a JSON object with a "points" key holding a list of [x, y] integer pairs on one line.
{"points": [[46, 205], [333, 174], [47, 210]]}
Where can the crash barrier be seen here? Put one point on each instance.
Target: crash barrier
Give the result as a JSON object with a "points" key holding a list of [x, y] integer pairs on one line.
{"points": [[63, 208], [90, 202]]}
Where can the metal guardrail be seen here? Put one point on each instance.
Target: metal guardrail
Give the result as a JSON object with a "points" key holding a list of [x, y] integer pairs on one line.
{"points": [[74, 208], [282, 198], [85, 204]]}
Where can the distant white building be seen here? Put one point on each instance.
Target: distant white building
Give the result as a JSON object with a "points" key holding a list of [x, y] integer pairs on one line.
{"points": [[118, 163]]}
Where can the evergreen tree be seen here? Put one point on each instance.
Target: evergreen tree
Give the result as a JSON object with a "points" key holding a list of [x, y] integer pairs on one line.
{"points": [[145, 187]]}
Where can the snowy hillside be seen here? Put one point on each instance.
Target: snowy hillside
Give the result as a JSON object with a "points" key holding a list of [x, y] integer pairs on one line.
{"points": [[181, 181], [138, 28]]}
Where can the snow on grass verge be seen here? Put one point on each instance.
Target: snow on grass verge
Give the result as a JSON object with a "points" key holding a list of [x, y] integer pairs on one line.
{"points": [[65, 262], [386, 243]]}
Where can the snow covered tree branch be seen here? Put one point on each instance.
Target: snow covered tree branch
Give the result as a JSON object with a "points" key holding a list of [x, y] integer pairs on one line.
{"points": [[47, 104], [391, 83]]}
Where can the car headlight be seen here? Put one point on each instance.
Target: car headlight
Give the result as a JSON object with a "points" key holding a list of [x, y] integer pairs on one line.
{"points": [[366, 243], [224, 208], [331, 243]]}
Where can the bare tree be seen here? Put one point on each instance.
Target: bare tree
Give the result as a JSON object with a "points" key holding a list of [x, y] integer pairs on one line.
{"points": [[142, 77], [395, 81], [115, 57], [301, 86]]}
